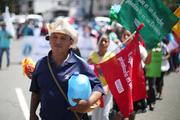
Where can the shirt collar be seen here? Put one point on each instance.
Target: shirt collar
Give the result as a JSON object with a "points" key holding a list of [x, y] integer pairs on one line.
{"points": [[71, 57]]}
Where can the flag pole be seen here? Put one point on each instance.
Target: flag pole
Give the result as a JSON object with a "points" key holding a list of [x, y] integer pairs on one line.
{"points": [[129, 37], [137, 30], [121, 2]]}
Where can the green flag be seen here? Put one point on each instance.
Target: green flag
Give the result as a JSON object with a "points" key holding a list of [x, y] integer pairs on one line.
{"points": [[157, 18]]}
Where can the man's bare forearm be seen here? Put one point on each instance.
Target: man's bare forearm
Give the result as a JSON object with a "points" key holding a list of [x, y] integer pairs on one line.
{"points": [[35, 99]]}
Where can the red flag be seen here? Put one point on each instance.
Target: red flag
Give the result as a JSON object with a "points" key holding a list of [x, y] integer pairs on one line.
{"points": [[118, 73], [125, 77], [138, 79]]}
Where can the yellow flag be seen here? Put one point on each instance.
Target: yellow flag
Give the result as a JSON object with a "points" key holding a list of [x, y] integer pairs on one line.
{"points": [[176, 27]]}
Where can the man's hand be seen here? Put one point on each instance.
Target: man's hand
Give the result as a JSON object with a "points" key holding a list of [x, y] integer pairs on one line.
{"points": [[81, 107]]}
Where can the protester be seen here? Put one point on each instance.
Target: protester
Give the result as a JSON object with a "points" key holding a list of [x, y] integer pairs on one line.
{"points": [[5, 42], [64, 63], [44, 30], [164, 68], [27, 29], [96, 57], [153, 72], [26, 32], [171, 40]]}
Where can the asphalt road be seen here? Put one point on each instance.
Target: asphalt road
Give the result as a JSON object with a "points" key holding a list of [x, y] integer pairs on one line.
{"points": [[169, 107], [15, 95]]}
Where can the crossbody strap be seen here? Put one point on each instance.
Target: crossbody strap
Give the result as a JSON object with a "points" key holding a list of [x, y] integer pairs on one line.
{"points": [[58, 85]]}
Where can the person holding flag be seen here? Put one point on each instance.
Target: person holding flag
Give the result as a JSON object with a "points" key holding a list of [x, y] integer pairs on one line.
{"points": [[139, 104], [130, 60], [124, 35], [95, 58]]}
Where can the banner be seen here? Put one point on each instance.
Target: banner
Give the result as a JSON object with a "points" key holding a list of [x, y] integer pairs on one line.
{"points": [[121, 78], [34, 47], [158, 19], [119, 81], [138, 79], [8, 20]]}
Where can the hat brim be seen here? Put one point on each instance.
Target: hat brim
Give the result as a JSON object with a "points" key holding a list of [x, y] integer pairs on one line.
{"points": [[47, 37]]}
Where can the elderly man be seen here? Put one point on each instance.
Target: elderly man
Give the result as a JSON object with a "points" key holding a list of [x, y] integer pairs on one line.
{"points": [[60, 64]]}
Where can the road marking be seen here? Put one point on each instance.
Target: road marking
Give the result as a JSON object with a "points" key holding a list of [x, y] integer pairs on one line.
{"points": [[22, 102]]}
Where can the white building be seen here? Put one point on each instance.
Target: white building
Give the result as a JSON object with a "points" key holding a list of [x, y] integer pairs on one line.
{"points": [[78, 8]]}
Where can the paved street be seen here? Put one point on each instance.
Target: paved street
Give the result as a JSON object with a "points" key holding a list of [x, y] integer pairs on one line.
{"points": [[169, 107], [15, 95]]}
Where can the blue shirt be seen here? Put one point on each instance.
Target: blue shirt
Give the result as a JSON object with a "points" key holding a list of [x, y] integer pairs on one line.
{"points": [[5, 39], [53, 104]]}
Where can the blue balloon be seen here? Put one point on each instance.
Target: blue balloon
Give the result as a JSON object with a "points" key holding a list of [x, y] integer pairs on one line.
{"points": [[78, 88]]}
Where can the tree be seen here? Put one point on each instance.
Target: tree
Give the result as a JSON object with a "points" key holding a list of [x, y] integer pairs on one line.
{"points": [[4, 3]]}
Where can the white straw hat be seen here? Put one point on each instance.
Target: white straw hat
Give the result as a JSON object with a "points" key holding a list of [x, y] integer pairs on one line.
{"points": [[63, 26]]}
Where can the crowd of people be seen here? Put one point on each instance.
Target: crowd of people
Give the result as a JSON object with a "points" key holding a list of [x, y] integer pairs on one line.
{"points": [[75, 47]]}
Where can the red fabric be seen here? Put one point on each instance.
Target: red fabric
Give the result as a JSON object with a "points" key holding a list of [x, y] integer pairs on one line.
{"points": [[141, 41], [139, 84], [71, 20], [101, 102], [118, 73], [125, 78]]}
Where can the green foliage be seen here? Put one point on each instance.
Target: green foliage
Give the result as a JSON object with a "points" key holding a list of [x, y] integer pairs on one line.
{"points": [[4, 3]]}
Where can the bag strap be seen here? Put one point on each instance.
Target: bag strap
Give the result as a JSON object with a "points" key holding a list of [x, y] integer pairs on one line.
{"points": [[58, 85]]}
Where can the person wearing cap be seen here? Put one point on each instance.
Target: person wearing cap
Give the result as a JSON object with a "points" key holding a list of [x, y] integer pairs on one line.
{"points": [[62, 37], [5, 42]]}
